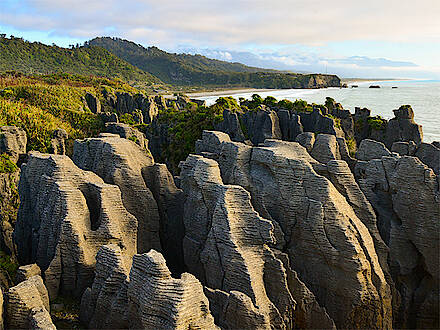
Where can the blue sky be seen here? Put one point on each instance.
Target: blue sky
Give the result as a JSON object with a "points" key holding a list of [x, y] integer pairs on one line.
{"points": [[374, 39]]}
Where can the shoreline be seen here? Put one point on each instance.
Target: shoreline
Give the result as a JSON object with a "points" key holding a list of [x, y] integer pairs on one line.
{"points": [[230, 91]]}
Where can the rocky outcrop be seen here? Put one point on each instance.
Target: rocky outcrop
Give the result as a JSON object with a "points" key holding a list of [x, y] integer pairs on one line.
{"points": [[307, 140], [325, 148], [317, 122], [170, 204], [231, 125], [370, 149], [27, 305], [147, 297], [332, 250], [93, 103], [429, 154], [226, 243], [290, 125], [26, 272], [57, 143], [402, 127], [120, 162], [404, 148], [261, 124], [12, 141], [66, 214], [127, 132], [9, 203], [404, 194]]}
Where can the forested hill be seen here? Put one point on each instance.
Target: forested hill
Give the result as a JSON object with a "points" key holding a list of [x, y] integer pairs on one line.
{"points": [[185, 69], [34, 58]]}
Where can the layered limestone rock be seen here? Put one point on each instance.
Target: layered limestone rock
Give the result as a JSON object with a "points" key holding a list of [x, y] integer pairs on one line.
{"points": [[27, 305], [402, 127], [325, 148], [27, 271], [66, 214], [370, 149], [307, 140], [261, 124], [329, 246], [231, 125], [146, 297], [227, 246], [405, 194], [429, 154], [120, 162], [317, 122], [93, 103], [12, 141], [290, 125], [127, 132], [57, 143]]}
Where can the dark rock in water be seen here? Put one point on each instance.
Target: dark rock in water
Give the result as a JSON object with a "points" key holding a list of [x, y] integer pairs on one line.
{"points": [[374, 86], [394, 87], [354, 86], [12, 141], [402, 127], [93, 103]]}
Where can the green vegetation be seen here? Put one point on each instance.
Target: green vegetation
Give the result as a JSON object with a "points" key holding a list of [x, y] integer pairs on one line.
{"points": [[184, 128], [377, 123], [67, 315], [6, 165], [8, 265], [336, 120], [351, 145], [196, 70], [37, 58], [42, 104]]}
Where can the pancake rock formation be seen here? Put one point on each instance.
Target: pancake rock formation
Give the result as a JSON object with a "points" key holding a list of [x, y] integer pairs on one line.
{"points": [[66, 214]]}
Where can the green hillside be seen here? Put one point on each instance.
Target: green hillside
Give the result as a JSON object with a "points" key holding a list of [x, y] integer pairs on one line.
{"points": [[37, 58], [196, 70]]}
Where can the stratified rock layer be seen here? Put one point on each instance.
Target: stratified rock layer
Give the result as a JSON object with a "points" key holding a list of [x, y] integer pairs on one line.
{"points": [[328, 245], [28, 305], [146, 297], [120, 161], [227, 246], [66, 214], [405, 194]]}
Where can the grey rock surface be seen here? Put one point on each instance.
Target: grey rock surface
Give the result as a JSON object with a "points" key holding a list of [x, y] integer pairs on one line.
{"points": [[12, 141], [231, 125], [370, 149], [261, 124], [58, 145], [66, 214], [27, 271], [286, 189], [325, 148], [93, 103], [402, 127], [127, 132], [27, 305], [307, 140], [221, 225], [429, 154], [142, 294], [120, 162], [405, 194]]}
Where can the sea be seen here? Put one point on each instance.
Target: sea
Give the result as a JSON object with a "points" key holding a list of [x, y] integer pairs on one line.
{"points": [[422, 95]]}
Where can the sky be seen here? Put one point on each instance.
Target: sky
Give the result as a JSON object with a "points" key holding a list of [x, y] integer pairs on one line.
{"points": [[351, 38]]}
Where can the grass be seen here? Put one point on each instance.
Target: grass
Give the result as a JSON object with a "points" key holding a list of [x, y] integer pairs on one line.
{"points": [[68, 316], [8, 264], [6, 165]]}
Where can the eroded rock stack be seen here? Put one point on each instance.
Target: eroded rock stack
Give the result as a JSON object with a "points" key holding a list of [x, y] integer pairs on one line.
{"points": [[344, 260], [144, 297], [66, 214]]}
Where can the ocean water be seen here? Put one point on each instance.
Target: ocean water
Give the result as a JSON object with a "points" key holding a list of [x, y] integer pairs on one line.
{"points": [[422, 95]]}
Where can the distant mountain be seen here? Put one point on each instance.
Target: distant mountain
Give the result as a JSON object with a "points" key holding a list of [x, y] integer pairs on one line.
{"points": [[33, 57], [185, 69]]}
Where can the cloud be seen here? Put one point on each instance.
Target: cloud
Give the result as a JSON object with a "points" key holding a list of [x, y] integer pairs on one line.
{"points": [[232, 21]]}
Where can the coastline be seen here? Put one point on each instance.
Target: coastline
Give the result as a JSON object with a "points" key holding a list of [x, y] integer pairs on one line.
{"points": [[229, 91]]}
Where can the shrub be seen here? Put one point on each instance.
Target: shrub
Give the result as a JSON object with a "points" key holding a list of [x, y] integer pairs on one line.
{"points": [[6, 165]]}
